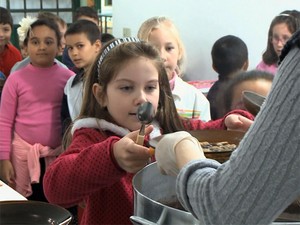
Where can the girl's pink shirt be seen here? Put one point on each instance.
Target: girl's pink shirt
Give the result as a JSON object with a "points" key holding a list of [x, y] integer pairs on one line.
{"points": [[268, 68], [31, 106]]}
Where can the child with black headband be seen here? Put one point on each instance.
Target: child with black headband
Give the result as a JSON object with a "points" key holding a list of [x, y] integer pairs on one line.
{"points": [[102, 156], [281, 29]]}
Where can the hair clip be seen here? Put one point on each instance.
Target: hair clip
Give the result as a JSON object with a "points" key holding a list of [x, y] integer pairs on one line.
{"points": [[284, 14], [111, 46], [25, 25]]}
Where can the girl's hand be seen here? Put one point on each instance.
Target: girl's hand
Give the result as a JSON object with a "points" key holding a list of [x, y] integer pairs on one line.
{"points": [[130, 156], [7, 173], [237, 122]]}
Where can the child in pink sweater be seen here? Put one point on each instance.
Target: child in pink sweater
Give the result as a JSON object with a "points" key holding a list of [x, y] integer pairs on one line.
{"points": [[30, 111]]}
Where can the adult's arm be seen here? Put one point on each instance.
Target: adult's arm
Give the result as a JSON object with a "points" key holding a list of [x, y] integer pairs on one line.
{"points": [[262, 176]]}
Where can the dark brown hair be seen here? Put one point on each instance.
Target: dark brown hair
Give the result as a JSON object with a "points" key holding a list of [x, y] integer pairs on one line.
{"points": [[112, 63], [289, 17], [44, 22], [5, 17], [86, 11]]}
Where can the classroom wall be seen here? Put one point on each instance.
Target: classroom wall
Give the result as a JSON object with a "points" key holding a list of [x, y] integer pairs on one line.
{"points": [[201, 23]]}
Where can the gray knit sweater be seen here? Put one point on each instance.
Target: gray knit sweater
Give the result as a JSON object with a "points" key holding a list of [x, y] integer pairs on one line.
{"points": [[262, 176]]}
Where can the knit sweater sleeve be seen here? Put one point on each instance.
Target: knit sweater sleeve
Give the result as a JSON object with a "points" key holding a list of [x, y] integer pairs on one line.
{"points": [[262, 176]]}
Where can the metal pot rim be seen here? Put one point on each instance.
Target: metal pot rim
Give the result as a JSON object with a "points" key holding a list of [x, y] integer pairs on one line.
{"points": [[149, 199]]}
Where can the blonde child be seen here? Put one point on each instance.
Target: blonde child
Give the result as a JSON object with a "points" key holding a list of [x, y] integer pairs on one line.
{"points": [[162, 33], [30, 112], [102, 157]]}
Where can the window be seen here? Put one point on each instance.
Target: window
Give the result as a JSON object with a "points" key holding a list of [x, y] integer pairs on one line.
{"points": [[23, 8]]}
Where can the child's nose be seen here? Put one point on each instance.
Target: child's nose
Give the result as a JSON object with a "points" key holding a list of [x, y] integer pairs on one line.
{"points": [[73, 52], [141, 98], [42, 45], [163, 55]]}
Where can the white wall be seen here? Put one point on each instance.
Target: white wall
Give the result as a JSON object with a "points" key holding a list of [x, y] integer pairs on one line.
{"points": [[201, 23]]}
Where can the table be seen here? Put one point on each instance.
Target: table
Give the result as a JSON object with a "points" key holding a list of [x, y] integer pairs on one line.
{"points": [[9, 194]]}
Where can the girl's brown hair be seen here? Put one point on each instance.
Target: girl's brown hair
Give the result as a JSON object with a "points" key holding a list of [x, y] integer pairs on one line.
{"points": [[113, 61], [289, 17]]}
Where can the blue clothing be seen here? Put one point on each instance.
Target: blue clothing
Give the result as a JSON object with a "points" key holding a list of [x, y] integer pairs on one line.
{"points": [[216, 99], [67, 60]]}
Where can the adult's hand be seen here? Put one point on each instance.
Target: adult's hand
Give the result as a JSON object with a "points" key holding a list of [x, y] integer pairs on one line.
{"points": [[174, 150]]}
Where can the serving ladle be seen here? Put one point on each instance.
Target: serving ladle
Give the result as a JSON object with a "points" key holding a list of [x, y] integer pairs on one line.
{"points": [[145, 115]]}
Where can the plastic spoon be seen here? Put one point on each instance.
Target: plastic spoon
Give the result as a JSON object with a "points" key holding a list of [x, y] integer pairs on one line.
{"points": [[145, 115]]}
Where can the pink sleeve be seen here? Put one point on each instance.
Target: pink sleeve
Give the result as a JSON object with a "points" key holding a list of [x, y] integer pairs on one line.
{"points": [[8, 110], [268, 68]]}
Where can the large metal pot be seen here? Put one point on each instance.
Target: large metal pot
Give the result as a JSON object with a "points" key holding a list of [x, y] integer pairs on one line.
{"points": [[151, 188]]}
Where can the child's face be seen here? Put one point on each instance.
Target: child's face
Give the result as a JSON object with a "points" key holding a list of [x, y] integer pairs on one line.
{"points": [[135, 83], [260, 86], [42, 46], [168, 47], [5, 33], [23, 50], [81, 51], [280, 36]]}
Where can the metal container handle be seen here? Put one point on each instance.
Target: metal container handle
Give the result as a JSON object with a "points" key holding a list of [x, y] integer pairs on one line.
{"points": [[141, 221]]}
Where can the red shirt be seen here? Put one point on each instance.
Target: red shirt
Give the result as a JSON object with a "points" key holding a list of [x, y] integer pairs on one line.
{"points": [[8, 58], [87, 172]]}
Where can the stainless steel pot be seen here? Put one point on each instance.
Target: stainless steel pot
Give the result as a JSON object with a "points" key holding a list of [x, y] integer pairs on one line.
{"points": [[151, 188]]}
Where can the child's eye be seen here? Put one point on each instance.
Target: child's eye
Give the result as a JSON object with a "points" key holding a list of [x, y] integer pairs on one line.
{"points": [[151, 88], [126, 88], [80, 46], [169, 48], [34, 42], [49, 42]]}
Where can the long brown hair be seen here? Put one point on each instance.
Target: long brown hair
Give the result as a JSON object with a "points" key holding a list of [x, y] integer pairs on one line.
{"points": [[292, 20], [111, 64]]}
